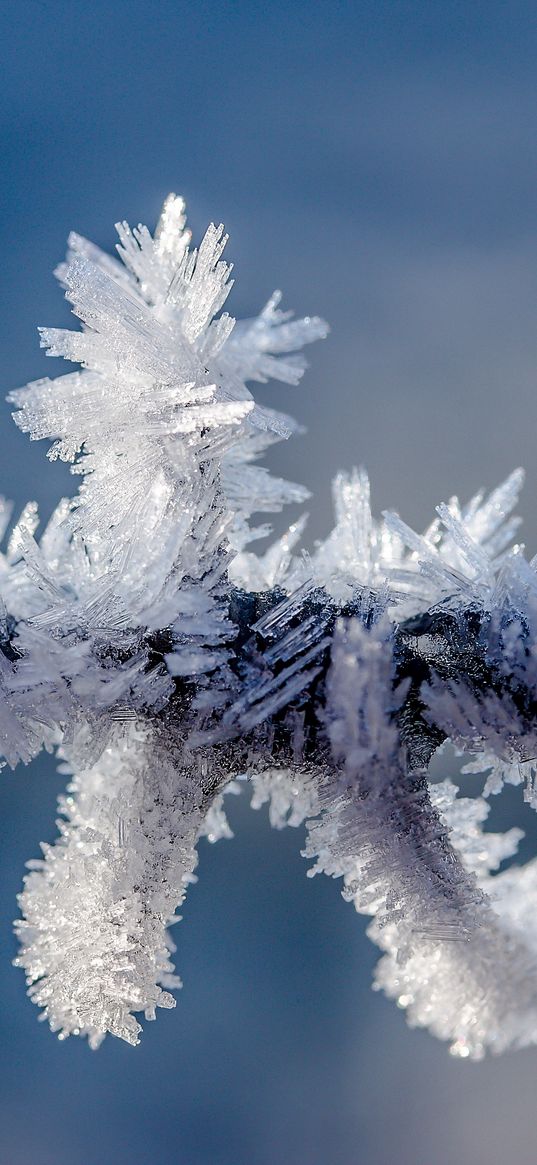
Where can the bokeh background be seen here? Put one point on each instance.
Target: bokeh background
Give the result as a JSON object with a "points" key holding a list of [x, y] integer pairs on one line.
{"points": [[378, 161]]}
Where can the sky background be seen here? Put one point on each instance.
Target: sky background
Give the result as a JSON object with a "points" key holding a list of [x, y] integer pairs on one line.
{"points": [[378, 162]]}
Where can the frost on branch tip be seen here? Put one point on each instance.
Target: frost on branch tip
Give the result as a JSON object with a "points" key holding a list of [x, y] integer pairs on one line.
{"points": [[165, 661]]}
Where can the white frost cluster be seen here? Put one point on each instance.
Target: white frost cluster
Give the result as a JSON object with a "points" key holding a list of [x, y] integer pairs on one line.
{"points": [[460, 944], [144, 640], [120, 869]]}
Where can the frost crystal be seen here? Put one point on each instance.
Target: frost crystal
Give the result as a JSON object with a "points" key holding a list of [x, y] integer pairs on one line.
{"points": [[166, 662]]}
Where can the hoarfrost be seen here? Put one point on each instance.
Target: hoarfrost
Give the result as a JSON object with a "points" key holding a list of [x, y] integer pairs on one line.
{"points": [[166, 662]]}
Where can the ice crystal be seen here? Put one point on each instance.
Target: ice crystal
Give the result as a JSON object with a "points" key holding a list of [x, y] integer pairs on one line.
{"points": [[167, 663]]}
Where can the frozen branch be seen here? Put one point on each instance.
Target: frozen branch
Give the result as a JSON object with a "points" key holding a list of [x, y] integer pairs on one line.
{"points": [[144, 640]]}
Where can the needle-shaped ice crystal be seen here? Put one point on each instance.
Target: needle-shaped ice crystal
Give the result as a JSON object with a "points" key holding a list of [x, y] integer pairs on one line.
{"points": [[143, 638]]}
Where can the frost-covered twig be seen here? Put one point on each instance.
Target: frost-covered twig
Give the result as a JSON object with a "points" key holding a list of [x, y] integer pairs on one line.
{"points": [[144, 640]]}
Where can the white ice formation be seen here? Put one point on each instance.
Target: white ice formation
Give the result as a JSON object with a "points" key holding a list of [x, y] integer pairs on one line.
{"points": [[143, 639]]}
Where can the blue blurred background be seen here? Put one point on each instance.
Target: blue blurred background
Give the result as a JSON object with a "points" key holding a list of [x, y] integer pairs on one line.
{"points": [[378, 161]]}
